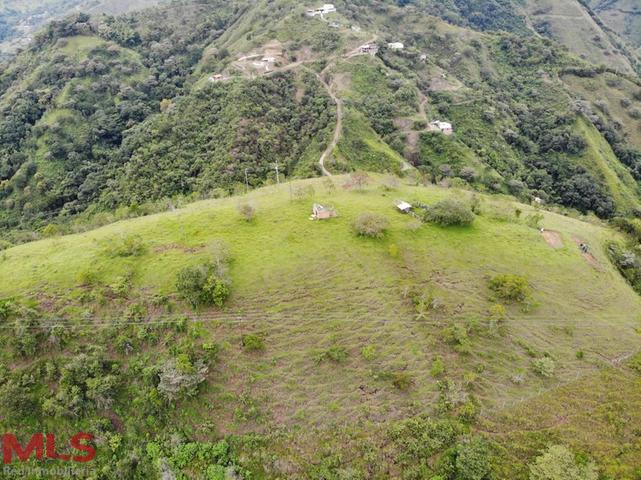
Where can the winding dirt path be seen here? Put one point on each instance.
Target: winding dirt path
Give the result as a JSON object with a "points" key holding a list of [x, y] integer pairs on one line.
{"points": [[337, 131]]}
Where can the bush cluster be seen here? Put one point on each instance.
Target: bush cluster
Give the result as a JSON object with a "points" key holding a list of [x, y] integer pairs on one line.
{"points": [[511, 288], [201, 285], [208, 283], [449, 212], [628, 262], [371, 225], [125, 246]]}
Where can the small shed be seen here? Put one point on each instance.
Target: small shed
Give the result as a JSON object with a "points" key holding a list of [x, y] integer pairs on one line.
{"points": [[395, 46], [321, 212], [403, 206], [328, 8], [444, 127], [370, 48]]}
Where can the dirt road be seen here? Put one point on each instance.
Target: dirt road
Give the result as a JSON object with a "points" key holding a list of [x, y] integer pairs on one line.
{"points": [[337, 131]]}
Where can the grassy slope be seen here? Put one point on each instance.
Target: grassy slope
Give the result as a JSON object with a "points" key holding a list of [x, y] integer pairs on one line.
{"points": [[600, 160], [612, 90], [573, 27], [360, 147], [623, 16], [307, 286]]}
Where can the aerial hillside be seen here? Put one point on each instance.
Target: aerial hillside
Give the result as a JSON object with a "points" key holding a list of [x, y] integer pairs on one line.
{"points": [[253, 90], [417, 351]]}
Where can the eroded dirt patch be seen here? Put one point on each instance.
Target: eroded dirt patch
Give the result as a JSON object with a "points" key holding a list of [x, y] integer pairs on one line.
{"points": [[552, 238], [591, 259]]}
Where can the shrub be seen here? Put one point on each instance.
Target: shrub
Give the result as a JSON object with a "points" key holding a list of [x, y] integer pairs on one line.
{"points": [[417, 440], [497, 312], [458, 336], [6, 309], [544, 366], [247, 211], [512, 288], [125, 246], [635, 363], [88, 278], [335, 353], [368, 352], [201, 285], [628, 262], [51, 230], [559, 463], [631, 226], [179, 377], [534, 220], [301, 192], [252, 342], [438, 366], [369, 224], [450, 212], [359, 180], [121, 286], [468, 174], [220, 255], [401, 380], [470, 460], [635, 113]]}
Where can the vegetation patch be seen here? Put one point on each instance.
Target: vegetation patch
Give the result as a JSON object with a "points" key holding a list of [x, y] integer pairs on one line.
{"points": [[511, 288], [450, 212], [370, 224]]}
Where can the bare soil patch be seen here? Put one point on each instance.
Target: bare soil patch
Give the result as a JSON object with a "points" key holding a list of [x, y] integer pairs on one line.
{"points": [[591, 259], [553, 239]]}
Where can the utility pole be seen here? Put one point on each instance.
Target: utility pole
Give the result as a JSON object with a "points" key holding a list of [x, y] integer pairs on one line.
{"points": [[246, 182], [277, 176]]}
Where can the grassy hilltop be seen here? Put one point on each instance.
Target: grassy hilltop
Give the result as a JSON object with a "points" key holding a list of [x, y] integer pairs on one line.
{"points": [[322, 323]]}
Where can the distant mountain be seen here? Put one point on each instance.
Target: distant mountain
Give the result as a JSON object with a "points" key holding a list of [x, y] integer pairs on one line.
{"points": [[20, 19]]}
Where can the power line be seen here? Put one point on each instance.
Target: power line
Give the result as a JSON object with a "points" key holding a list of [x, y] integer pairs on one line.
{"points": [[254, 316]]}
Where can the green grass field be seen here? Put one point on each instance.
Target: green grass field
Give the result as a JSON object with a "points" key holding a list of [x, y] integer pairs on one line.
{"points": [[308, 286]]}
